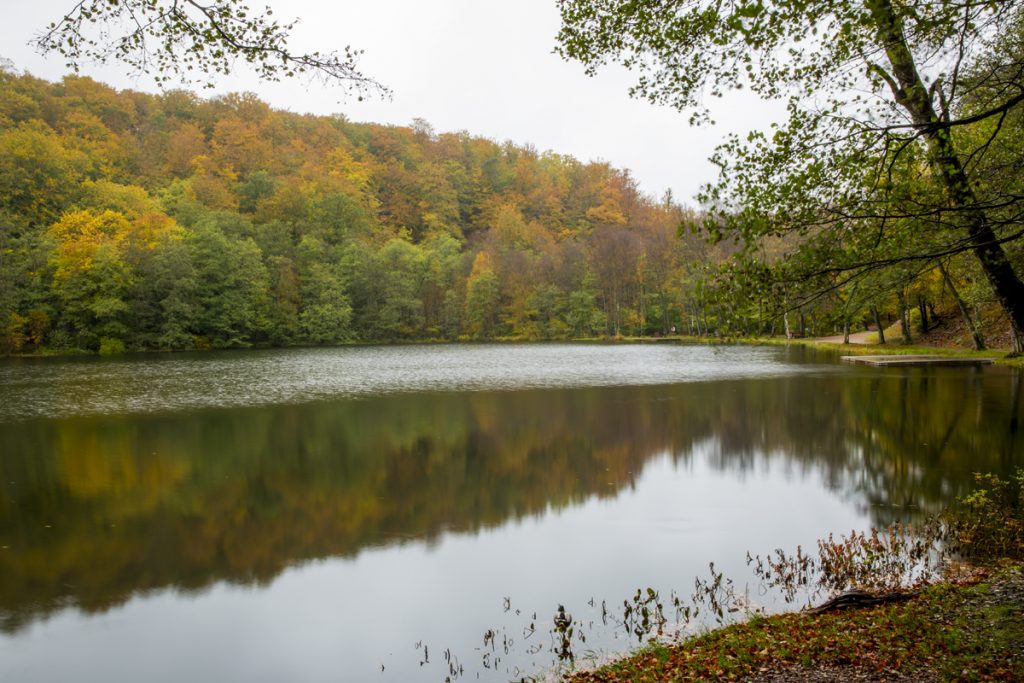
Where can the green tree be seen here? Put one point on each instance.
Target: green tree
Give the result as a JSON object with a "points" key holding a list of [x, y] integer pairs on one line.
{"points": [[22, 260], [326, 316], [865, 82], [547, 303], [482, 298], [584, 316], [443, 263], [166, 308], [91, 279], [283, 301], [231, 286], [256, 187], [401, 266], [39, 176]]}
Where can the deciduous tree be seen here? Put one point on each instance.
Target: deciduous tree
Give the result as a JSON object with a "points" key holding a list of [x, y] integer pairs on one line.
{"points": [[865, 81], [165, 39]]}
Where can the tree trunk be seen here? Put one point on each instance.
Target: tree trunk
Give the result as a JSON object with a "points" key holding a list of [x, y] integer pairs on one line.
{"points": [[1015, 385], [878, 324], [642, 311], [846, 330], [615, 311], [904, 321], [663, 298], [979, 343], [923, 310], [912, 94]]}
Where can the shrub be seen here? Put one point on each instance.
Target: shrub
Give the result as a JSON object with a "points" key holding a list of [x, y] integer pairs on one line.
{"points": [[988, 524], [111, 347]]}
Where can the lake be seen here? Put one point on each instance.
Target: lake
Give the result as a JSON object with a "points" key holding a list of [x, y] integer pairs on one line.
{"points": [[417, 513]]}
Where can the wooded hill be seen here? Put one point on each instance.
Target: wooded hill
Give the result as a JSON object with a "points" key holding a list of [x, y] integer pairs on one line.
{"points": [[137, 221], [131, 221]]}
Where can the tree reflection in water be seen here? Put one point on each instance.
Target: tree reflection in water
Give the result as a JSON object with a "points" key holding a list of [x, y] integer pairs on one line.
{"points": [[96, 510]]}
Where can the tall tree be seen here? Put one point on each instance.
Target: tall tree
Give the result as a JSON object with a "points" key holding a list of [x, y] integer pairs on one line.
{"points": [[866, 81], [482, 293], [90, 276], [231, 286]]}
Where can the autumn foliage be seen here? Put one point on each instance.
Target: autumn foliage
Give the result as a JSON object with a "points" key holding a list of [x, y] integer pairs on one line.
{"points": [[170, 222]]}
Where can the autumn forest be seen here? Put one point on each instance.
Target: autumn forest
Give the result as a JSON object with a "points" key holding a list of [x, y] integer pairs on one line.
{"points": [[135, 221]]}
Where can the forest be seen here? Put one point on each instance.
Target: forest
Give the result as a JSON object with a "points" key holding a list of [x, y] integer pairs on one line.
{"points": [[131, 221], [134, 221]]}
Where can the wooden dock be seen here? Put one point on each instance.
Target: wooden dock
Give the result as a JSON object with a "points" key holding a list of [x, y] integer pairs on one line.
{"points": [[918, 360]]}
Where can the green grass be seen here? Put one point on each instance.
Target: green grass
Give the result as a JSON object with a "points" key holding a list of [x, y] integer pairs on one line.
{"points": [[1000, 357]]}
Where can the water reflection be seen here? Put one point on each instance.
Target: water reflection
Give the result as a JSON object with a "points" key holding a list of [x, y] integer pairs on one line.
{"points": [[94, 510]]}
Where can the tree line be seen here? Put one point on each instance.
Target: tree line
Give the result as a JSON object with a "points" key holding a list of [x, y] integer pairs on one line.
{"points": [[131, 221]]}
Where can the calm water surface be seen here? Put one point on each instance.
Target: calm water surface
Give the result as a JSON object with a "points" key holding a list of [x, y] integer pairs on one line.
{"points": [[369, 514]]}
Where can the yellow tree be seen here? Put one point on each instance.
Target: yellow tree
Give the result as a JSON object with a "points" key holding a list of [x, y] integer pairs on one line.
{"points": [[90, 276], [482, 297]]}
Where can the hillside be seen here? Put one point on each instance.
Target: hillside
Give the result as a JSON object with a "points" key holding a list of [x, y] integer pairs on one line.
{"points": [[135, 221]]}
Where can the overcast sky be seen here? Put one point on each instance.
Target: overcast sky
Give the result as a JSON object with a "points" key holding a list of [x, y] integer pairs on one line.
{"points": [[482, 66]]}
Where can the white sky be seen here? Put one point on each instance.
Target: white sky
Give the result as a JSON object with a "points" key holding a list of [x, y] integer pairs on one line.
{"points": [[482, 66]]}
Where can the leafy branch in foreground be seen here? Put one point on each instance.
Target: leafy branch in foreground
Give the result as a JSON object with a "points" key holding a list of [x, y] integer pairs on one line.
{"points": [[174, 38], [902, 139]]}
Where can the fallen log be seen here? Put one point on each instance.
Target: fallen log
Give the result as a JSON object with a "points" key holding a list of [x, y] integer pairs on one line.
{"points": [[858, 598]]}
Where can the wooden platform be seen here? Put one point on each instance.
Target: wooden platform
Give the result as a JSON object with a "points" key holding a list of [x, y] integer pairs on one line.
{"points": [[916, 360]]}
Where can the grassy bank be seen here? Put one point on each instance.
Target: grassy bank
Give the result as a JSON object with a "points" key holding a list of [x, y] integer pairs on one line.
{"points": [[970, 631], [1001, 357]]}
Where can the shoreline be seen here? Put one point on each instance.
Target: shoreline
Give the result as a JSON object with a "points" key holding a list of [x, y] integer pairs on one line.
{"points": [[1001, 356], [957, 629]]}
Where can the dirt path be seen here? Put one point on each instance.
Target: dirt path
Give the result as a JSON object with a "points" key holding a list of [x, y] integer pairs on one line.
{"points": [[855, 338]]}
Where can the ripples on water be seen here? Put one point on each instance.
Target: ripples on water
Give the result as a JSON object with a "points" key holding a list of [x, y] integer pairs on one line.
{"points": [[85, 386]]}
